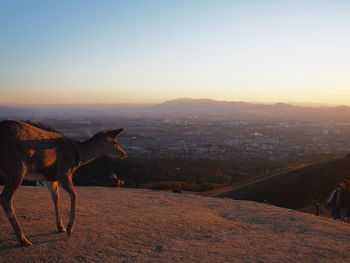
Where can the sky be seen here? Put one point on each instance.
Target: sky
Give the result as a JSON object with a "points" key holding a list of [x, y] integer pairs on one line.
{"points": [[100, 51]]}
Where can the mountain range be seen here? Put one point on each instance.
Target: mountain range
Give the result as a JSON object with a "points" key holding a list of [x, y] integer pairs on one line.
{"points": [[185, 106]]}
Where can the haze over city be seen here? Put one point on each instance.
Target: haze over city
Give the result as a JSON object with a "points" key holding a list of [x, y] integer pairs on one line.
{"points": [[67, 52]]}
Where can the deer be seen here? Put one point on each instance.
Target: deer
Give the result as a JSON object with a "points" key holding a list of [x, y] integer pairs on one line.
{"points": [[34, 153]]}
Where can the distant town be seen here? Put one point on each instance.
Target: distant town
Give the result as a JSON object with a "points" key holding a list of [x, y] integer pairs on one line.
{"points": [[215, 138], [276, 132]]}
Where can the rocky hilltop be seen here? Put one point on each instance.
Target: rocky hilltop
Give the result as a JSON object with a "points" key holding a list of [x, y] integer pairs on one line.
{"points": [[126, 225]]}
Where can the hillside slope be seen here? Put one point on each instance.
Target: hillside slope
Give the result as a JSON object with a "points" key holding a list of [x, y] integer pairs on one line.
{"points": [[124, 225], [296, 188]]}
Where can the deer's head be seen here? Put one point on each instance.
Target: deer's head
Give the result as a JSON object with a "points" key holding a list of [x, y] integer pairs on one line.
{"points": [[110, 146]]}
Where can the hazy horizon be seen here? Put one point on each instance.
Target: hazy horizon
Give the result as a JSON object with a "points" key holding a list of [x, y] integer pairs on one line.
{"points": [[140, 105], [148, 52]]}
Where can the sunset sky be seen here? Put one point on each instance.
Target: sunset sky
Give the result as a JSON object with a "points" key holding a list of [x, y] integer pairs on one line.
{"points": [[150, 51]]}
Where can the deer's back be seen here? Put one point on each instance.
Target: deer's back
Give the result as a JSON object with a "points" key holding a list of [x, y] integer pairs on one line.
{"points": [[25, 132], [41, 151]]}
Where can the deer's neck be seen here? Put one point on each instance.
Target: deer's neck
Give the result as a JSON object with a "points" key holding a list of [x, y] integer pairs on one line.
{"points": [[87, 152]]}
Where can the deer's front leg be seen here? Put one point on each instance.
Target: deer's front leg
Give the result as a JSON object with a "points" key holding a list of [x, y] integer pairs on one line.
{"points": [[67, 185], [53, 188], [6, 200]]}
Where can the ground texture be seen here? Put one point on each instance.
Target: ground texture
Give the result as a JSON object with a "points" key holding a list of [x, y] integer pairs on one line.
{"points": [[125, 225]]}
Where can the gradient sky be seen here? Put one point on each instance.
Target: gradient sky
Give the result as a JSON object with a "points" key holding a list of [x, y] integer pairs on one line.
{"points": [[151, 51]]}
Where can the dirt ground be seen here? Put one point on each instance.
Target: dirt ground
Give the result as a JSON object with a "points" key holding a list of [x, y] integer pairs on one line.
{"points": [[128, 225]]}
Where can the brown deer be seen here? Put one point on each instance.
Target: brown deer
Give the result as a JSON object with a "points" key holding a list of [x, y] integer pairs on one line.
{"points": [[34, 153]]}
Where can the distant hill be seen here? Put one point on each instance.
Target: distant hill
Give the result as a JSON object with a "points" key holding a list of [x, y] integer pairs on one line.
{"points": [[296, 188], [200, 106], [244, 109], [185, 106]]}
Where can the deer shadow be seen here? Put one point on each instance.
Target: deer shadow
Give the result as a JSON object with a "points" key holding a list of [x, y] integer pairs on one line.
{"points": [[7, 247]]}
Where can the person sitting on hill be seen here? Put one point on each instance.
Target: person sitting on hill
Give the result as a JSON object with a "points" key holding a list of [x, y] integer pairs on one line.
{"points": [[113, 180], [337, 201], [346, 194], [120, 183]]}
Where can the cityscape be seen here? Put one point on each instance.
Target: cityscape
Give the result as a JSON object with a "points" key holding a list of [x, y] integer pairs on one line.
{"points": [[214, 138]]}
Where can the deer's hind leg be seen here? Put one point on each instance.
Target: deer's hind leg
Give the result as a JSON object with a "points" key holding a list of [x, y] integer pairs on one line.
{"points": [[14, 179], [67, 185], [53, 188]]}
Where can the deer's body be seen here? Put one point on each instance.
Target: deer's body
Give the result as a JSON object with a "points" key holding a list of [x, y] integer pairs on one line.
{"points": [[31, 153], [44, 154]]}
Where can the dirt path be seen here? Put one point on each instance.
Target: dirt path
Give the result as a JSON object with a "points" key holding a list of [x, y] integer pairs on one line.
{"points": [[125, 225]]}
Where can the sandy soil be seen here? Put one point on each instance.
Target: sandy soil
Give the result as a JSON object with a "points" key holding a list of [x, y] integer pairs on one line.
{"points": [[126, 225]]}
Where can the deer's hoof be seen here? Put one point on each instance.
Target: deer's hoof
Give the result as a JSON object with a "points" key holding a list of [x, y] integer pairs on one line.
{"points": [[25, 243], [69, 230], [61, 229]]}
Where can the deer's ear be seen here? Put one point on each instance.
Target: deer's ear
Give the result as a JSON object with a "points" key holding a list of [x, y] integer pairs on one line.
{"points": [[114, 133]]}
